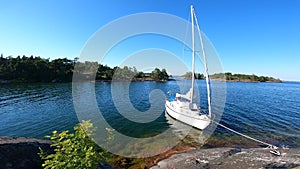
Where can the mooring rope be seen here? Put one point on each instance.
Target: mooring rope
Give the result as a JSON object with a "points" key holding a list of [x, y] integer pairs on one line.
{"points": [[270, 146]]}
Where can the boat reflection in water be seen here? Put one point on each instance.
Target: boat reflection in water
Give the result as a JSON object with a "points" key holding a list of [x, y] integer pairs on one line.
{"points": [[190, 134]]}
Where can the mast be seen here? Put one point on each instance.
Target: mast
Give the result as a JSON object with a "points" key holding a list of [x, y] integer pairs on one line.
{"points": [[205, 66], [193, 53]]}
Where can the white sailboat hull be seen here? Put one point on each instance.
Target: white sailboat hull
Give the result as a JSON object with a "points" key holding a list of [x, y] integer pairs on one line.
{"points": [[190, 117]]}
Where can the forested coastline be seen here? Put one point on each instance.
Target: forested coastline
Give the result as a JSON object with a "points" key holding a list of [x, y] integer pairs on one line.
{"points": [[233, 77], [36, 69], [243, 77], [188, 75]]}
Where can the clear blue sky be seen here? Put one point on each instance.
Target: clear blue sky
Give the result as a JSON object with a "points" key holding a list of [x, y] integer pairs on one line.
{"points": [[251, 36]]}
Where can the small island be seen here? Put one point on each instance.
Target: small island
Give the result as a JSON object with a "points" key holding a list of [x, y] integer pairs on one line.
{"points": [[229, 77]]}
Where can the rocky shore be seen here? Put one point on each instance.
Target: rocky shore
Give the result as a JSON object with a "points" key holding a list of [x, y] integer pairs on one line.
{"points": [[22, 153], [231, 158]]}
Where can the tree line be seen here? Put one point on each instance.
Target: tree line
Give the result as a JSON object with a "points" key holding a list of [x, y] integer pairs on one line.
{"points": [[233, 77], [243, 77], [188, 75], [37, 69]]}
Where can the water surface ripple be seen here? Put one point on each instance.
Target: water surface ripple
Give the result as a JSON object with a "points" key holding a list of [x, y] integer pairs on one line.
{"points": [[268, 111]]}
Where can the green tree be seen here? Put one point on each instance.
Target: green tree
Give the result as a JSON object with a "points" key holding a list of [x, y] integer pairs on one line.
{"points": [[125, 74], [155, 74], [188, 75], [228, 76], [61, 69], [73, 150], [140, 75], [164, 75], [159, 75], [199, 76]]}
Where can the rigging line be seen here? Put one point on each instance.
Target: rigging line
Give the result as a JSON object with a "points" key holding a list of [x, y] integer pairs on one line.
{"points": [[197, 51], [205, 65], [246, 136], [185, 36]]}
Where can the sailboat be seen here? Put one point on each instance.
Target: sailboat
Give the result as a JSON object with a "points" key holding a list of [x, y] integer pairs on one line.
{"points": [[181, 106]]}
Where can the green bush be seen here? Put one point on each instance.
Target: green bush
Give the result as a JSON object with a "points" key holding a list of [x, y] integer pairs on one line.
{"points": [[73, 150]]}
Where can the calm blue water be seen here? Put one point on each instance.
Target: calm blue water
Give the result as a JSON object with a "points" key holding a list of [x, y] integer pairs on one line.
{"points": [[268, 111]]}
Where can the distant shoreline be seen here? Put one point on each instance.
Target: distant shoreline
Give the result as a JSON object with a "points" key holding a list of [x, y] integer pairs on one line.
{"points": [[239, 80], [96, 81], [230, 77], [140, 80], [250, 81], [133, 80]]}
